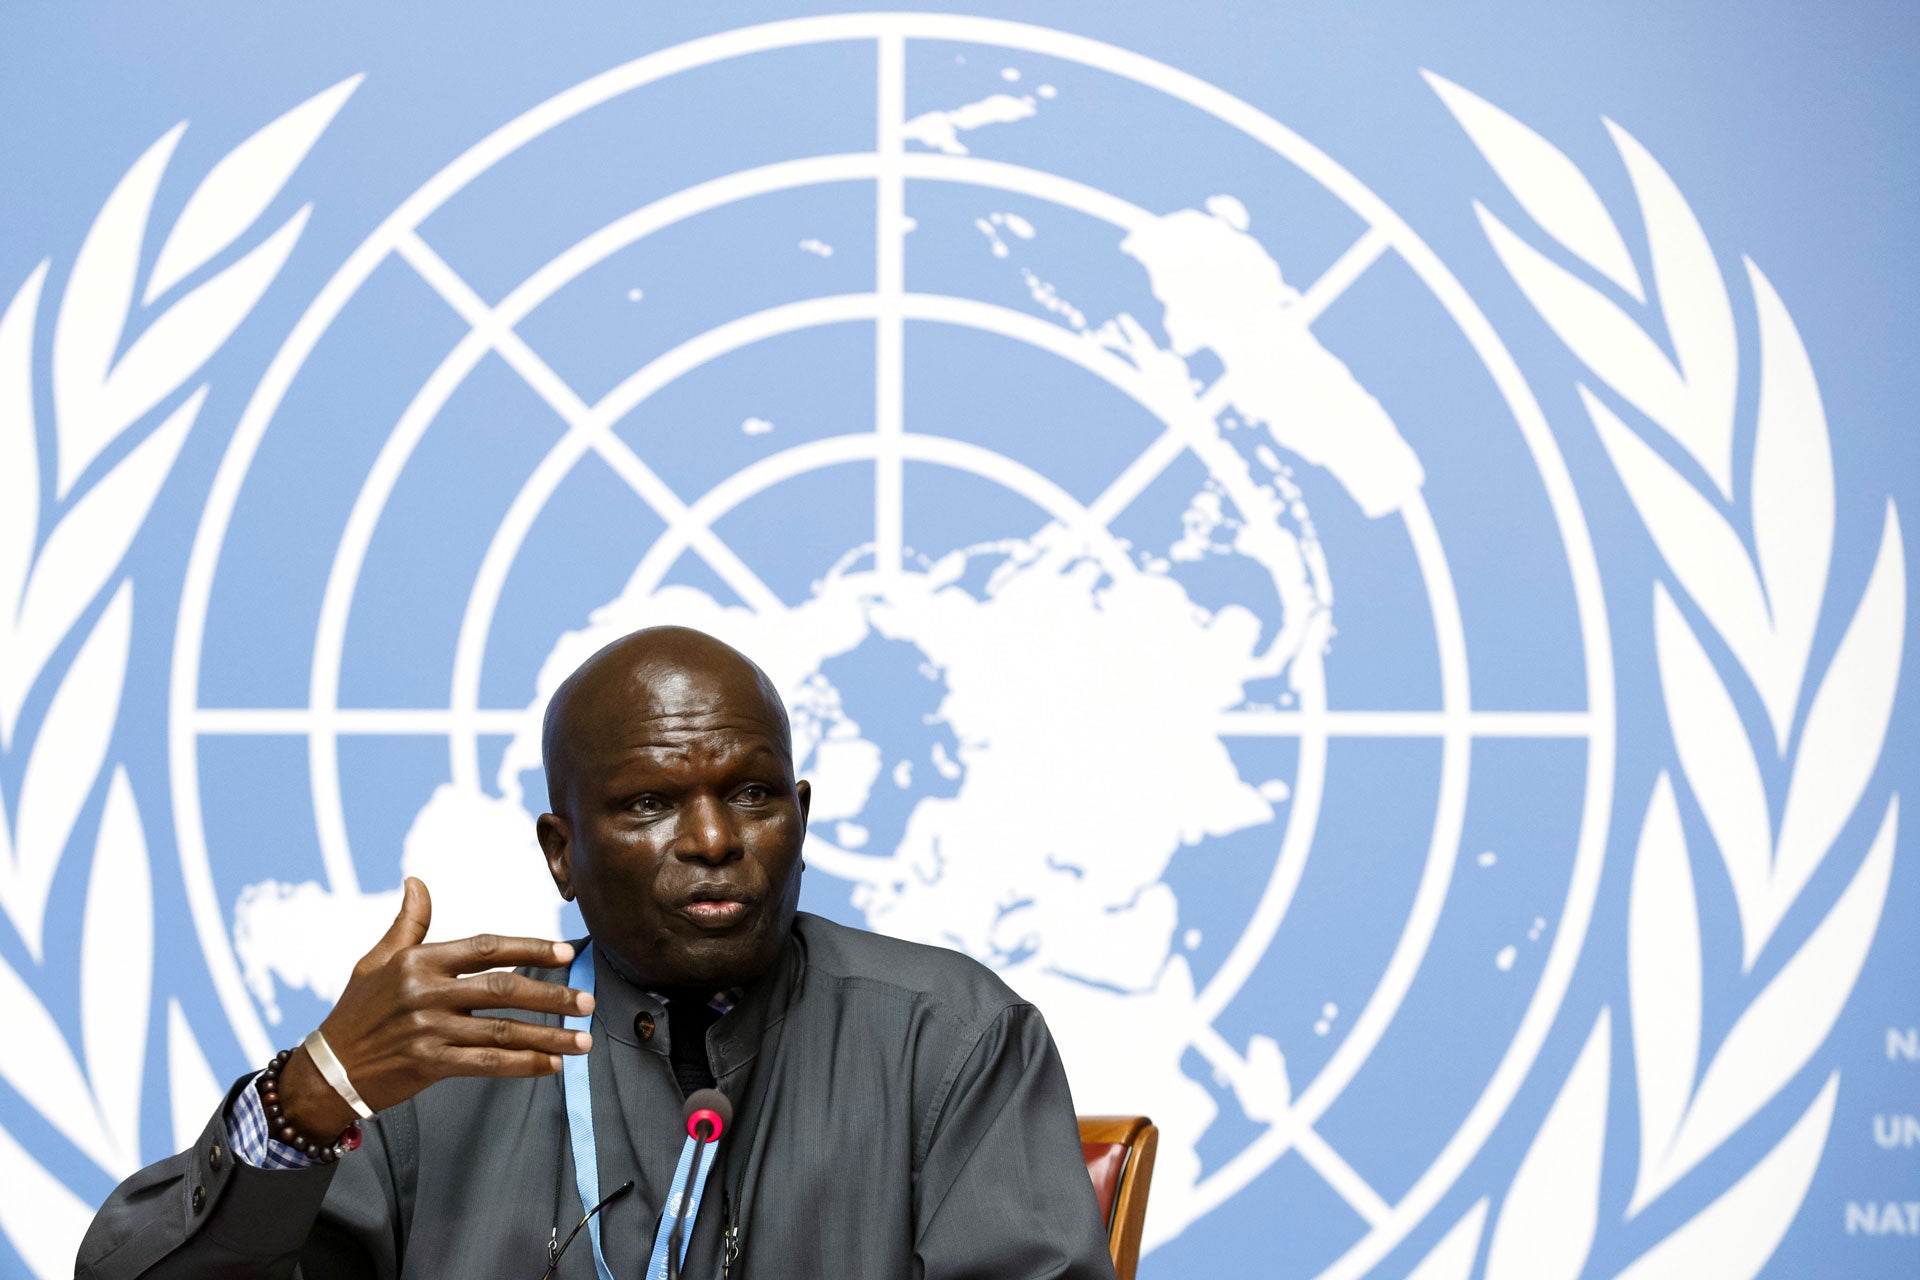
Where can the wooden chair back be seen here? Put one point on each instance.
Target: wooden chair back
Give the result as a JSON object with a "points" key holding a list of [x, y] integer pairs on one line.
{"points": [[1119, 1154]]}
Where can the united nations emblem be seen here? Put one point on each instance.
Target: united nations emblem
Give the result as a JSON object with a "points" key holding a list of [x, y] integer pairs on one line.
{"points": [[1135, 531]]}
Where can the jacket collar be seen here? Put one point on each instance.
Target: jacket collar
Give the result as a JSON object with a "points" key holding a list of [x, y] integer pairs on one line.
{"points": [[733, 1041]]}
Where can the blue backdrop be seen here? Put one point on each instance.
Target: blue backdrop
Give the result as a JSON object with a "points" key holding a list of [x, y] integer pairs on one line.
{"points": [[1353, 552]]}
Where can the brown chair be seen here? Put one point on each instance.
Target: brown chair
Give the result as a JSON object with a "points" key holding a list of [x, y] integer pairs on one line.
{"points": [[1119, 1153]]}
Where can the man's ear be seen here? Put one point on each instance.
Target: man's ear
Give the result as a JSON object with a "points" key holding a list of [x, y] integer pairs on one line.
{"points": [[556, 842], [804, 790]]}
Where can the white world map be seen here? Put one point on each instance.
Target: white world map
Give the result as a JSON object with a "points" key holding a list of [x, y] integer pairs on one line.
{"points": [[1017, 399], [1067, 747]]}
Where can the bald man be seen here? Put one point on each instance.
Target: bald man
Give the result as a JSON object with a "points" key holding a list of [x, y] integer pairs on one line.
{"points": [[898, 1110]]}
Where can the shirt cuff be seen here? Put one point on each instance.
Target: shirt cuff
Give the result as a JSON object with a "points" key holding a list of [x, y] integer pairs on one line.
{"points": [[247, 1134]]}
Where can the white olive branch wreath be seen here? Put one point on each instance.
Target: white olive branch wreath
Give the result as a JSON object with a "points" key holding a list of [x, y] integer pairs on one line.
{"points": [[66, 523], [1760, 587], [1747, 560]]}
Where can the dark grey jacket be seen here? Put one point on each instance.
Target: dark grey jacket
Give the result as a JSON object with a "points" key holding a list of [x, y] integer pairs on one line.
{"points": [[899, 1111]]}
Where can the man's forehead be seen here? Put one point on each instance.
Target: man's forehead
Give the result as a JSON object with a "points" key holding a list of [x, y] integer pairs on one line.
{"points": [[661, 687], [668, 744], [663, 707], [646, 720], [676, 698], [716, 737]]}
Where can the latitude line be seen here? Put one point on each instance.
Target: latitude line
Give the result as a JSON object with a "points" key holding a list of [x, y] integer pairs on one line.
{"points": [[579, 416], [298, 721], [1339, 277], [1405, 724], [889, 344], [1299, 1134]]}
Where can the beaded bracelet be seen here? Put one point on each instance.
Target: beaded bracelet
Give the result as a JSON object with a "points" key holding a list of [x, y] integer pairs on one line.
{"points": [[282, 1131]]}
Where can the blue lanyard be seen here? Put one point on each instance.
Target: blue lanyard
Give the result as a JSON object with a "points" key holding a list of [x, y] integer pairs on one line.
{"points": [[576, 1085]]}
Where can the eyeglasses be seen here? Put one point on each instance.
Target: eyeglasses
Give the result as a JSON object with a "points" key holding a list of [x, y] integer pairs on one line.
{"points": [[556, 1247]]}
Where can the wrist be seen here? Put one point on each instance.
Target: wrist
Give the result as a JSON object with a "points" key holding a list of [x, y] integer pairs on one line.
{"points": [[309, 1103]]}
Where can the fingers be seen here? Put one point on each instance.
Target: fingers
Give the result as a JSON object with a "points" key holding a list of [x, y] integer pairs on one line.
{"points": [[503, 990], [502, 1063], [486, 951], [511, 1034], [409, 927]]}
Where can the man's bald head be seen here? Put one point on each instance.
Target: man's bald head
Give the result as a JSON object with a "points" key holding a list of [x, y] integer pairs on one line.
{"points": [[646, 676], [677, 823]]}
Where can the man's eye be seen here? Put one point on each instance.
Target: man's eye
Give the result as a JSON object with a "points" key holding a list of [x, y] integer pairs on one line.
{"points": [[650, 804], [754, 793]]}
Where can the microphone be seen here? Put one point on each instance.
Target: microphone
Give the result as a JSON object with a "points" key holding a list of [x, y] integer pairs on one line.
{"points": [[708, 1114]]}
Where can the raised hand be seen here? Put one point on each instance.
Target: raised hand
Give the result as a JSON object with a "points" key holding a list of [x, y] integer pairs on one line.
{"points": [[406, 1019]]}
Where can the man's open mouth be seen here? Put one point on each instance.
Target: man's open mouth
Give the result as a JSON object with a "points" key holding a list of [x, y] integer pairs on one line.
{"points": [[716, 906]]}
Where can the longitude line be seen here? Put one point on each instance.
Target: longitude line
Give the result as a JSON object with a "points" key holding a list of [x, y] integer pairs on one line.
{"points": [[580, 416], [1141, 472], [1339, 277], [1299, 1134], [1341, 1176], [1147, 466]]}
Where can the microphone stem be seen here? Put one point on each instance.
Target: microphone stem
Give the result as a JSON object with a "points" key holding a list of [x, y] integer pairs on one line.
{"points": [[673, 1247], [707, 1129]]}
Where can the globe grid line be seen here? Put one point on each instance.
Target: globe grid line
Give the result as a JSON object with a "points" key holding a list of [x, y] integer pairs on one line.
{"points": [[498, 721], [499, 337], [527, 504], [888, 448], [488, 330], [1346, 269], [1301, 1136], [1233, 973], [540, 376], [1136, 477], [890, 287], [1598, 721], [1338, 1173]]}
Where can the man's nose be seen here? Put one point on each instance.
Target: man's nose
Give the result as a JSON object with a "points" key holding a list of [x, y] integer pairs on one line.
{"points": [[708, 834]]}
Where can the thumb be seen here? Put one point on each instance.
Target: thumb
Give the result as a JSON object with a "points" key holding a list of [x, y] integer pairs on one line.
{"points": [[409, 928]]}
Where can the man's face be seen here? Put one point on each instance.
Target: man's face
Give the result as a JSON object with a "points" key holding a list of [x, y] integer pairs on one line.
{"points": [[683, 828]]}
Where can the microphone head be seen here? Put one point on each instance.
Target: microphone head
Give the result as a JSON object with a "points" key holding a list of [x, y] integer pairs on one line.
{"points": [[708, 1110]]}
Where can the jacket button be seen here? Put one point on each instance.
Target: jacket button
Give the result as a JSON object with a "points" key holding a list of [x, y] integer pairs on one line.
{"points": [[214, 1156], [643, 1025], [199, 1199]]}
